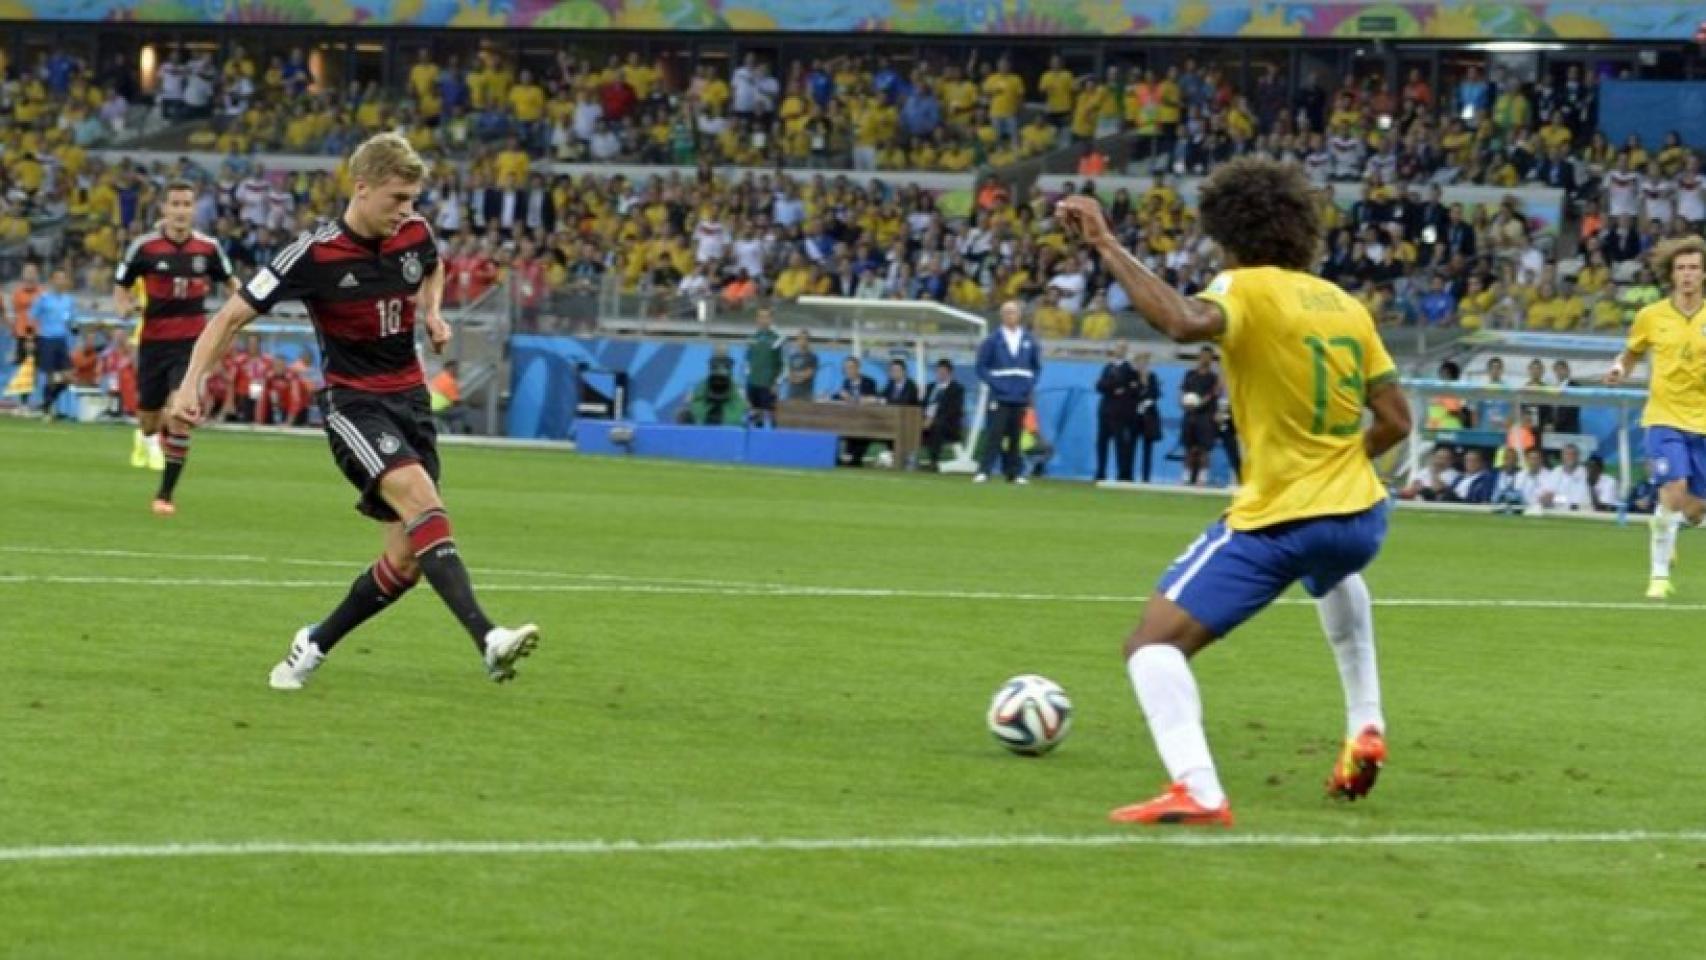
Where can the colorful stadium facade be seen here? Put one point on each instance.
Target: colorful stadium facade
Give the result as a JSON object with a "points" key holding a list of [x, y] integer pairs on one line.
{"points": [[1642, 20]]}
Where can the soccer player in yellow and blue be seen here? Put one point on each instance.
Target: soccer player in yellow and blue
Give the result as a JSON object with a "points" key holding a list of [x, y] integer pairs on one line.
{"points": [[1303, 361], [1673, 331]]}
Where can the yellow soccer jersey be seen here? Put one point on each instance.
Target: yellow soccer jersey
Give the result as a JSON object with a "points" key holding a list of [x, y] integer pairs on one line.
{"points": [[1677, 344], [1300, 356]]}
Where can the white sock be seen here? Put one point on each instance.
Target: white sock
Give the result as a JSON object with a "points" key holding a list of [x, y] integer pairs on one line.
{"points": [[1168, 694], [1347, 616], [1663, 527], [153, 441]]}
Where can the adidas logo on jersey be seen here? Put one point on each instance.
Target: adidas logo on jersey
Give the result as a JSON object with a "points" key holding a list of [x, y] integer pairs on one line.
{"points": [[348, 281], [162, 265]]}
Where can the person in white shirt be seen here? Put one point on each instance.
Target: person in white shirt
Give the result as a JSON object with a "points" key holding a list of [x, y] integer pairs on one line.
{"points": [[1691, 193], [1346, 151], [449, 219], [1070, 282], [251, 196], [710, 239], [198, 96], [1534, 483], [1569, 483], [1602, 485], [743, 88], [1622, 190], [749, 253], [605, 144], [789, 210], [769, 92], [1318, 163], [1658, 196], [169, 82], [281, 207], [696, 285], [588, 112], [1436, 480]]}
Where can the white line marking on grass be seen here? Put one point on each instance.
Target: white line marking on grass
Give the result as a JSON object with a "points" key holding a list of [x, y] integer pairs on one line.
{"points": [[349, 565], [592, 848], [600, 583]]}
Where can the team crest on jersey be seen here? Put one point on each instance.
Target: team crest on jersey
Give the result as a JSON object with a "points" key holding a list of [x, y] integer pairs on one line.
{"points": [[198, 264], [1661, 467], [389, 444], [412, 267]]}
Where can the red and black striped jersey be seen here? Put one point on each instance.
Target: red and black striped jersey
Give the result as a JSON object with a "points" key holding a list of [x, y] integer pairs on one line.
{"points": [[360, 293], [177, 276]]}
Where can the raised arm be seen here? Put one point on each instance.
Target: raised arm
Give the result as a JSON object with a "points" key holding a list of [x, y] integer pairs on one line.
{"points": [[1177, 317]]}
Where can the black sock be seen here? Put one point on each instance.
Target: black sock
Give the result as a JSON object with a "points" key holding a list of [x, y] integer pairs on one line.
{"points": [[373, 591], [436, 552], [176, 446]]}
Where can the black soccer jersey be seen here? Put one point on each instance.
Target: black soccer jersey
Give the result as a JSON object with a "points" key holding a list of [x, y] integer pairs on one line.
{"points": [[360, 294], [177, 276]]}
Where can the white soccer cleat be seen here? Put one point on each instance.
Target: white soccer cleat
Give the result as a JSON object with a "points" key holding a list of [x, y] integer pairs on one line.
{"points": [[980, 478], [1021, 481], [504, 646], [302, 660]]}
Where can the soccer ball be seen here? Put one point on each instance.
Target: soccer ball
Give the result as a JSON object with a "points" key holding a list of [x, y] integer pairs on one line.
{"points": [[1030, 715], [1190, 401]]}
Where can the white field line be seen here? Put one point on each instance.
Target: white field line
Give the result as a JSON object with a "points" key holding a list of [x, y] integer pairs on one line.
{"points": [[598, 583], [594, 848]]}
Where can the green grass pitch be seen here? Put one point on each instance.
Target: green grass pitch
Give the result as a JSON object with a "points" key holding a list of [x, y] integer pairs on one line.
{"points": [[746, 655]]}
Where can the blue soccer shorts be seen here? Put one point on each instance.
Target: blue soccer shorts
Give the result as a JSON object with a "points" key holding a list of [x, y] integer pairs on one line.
{"points": [[1227, 575], [1673, 455]]}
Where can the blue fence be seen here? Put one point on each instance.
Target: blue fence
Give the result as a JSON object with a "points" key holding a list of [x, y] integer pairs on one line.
{"points": [[662, 375]]}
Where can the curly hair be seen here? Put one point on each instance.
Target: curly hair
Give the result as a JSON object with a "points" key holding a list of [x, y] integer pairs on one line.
{"points": [[1665, 254], [1263, 213]]}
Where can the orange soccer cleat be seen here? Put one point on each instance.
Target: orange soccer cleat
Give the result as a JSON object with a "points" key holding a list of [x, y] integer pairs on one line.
{"points": [[164, 508], [1176, 807], [1359, 764]]}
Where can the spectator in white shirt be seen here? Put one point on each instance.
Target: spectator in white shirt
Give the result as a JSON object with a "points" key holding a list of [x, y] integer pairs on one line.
{"points": [[1436, 480], [1070, 282], [743, 88], [588, 112], [605, 144], [696, 285], [1533, 484], [169, 80], [198, 96], [1569, 483]]}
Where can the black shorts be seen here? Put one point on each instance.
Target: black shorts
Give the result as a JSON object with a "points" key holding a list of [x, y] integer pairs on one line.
{"points": [[160, 367], [53, 354], [760, 398], [374, 433], [1199, 431]]}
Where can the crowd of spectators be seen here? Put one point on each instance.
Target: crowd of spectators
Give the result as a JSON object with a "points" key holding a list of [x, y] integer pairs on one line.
{"points": [[1380, 156]]}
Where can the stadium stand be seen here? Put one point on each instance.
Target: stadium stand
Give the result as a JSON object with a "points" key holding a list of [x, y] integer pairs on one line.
{"points": [[645, 189]]}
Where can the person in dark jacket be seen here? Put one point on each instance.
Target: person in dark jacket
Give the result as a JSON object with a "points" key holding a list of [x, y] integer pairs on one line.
{"points": [[1199, 404], [1148, 413], [1009, 362], [944, 411], [900, 391], [856, 388], [1116, 414]]}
